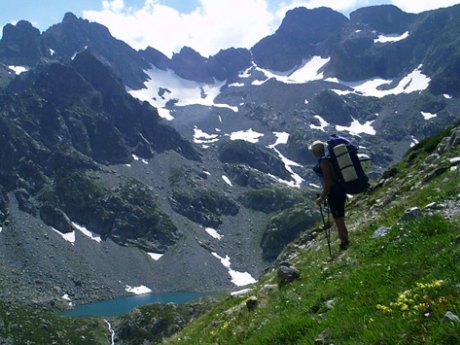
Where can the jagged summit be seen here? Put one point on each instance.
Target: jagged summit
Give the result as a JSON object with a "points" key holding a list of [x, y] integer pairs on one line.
{"points": [[21, 44]]}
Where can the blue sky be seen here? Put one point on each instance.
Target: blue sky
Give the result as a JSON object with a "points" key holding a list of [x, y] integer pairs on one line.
{"points": [[168, 25]]}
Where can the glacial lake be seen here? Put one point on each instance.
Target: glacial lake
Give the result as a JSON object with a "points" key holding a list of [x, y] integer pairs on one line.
{"points": [[123, 305]]}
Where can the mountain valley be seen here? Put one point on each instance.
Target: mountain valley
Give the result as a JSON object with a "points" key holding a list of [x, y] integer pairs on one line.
{"points": [[125, 170]]}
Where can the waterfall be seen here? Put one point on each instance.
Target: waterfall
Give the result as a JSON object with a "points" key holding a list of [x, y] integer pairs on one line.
{"points": [[111, 331]]}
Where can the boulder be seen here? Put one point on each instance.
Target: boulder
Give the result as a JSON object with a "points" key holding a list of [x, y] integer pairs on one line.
{"points": [[287, 274], [451, 317], [56, 218], [411, 214], [25, 202], [252, 303], [381, 232]]}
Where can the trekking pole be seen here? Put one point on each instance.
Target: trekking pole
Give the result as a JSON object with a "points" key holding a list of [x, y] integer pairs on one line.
{"points": [[326, 226]]}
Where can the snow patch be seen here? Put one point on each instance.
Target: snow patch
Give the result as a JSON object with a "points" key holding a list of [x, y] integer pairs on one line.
{"points": [[232, 108], [224, 261], [165, 86], [357, 128], [69, 237], [136, 158], [447, 96], [428, 116], [322, 123], [342, 92], [282, 139], [52, 52], [201, 137], [138, 290], [391, 38], [236, 85], [414, 141], [238, 278], [88, 233], [18, 69], [247, 135], [413, 82], [213, 233], [227, 180], [245, 74], [155, 256], [241, 278], [258, 82], [68, 299], [309, 70], [165, 114]]}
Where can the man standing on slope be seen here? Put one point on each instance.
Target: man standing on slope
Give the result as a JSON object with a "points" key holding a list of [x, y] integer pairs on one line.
{"points": [[332, 192]]}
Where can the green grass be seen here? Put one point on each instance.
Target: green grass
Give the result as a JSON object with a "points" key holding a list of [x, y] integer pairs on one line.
{"points": [[394, 289], [23, 325], [373, 272]]}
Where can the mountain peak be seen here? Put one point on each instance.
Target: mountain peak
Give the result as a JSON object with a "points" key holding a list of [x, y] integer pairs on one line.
{"points": [[300, 21], [189, 64], [302, 34], [387, 19], [69, 17], [20, 44]]}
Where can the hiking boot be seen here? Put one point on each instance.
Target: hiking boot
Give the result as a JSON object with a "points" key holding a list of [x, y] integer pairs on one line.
{"points": [[344, 246]]}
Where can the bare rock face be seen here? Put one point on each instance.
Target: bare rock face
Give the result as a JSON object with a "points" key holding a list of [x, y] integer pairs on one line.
{"points": [[303, 33], [284, 227], [56, 218], [21, 44]]}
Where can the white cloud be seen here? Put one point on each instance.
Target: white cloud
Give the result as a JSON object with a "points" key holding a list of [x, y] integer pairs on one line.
{"points": [[217, 24], [213, 25], [341, 6], [422, 5]]}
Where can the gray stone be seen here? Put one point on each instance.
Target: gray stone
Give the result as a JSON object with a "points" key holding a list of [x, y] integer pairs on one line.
{"points": [[432, 158], [454, 160], [450, 317], [323, 338], [252, 303], [287, 274], [331, 303], [411, 214], [269, 288], [380, 232]]}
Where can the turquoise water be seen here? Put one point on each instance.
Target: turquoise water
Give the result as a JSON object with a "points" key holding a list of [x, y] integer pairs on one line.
{"points": [[119, 306]]}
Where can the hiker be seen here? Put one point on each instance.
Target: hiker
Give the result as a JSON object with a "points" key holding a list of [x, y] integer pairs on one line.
{"points": [[332, 192]]}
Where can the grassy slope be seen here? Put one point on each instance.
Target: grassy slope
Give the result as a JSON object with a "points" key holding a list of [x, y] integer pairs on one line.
{"points": [[394, 289]]}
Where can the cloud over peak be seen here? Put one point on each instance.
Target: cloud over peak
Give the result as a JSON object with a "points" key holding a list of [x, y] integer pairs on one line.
{"points": [[217, 24]]}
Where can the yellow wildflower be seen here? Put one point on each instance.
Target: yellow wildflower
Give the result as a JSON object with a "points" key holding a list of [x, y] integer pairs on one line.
{"points": [[404, 307]]}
